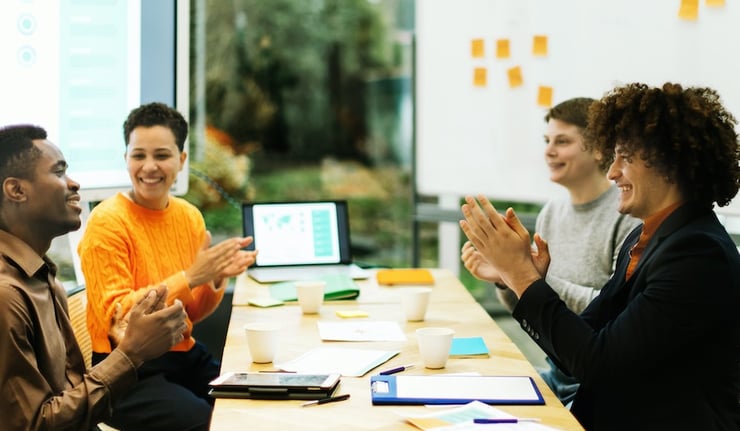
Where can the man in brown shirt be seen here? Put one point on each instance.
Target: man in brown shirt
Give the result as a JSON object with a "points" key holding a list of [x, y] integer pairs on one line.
{"points": [[43, 380]]}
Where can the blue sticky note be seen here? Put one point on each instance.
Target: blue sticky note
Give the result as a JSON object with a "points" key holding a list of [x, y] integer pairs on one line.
{"points": [[468, 347]]}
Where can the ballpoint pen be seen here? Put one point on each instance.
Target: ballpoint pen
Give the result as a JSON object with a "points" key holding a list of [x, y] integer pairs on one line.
{"points": [[503, 420], [326, 400], [396, 370]]}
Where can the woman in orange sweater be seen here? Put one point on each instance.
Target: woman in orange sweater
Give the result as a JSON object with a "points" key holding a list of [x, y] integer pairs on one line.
{"points": [[145, 238]]}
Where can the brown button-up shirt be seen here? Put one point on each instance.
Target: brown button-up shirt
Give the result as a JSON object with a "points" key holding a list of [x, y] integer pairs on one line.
{"points": [[43, 381]]}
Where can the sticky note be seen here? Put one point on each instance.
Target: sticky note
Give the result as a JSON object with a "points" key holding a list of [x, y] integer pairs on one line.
{"points": [[544, 96], [515, 77], [345, 314], [468, 347], [477, 48], [502, 48], [265, 302], [480, 76], [539, 46], [689, 10], [715, 3]]}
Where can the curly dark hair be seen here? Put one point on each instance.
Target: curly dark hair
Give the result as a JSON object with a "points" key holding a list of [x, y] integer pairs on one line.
{"points": [[686, 134], [157, 114]]}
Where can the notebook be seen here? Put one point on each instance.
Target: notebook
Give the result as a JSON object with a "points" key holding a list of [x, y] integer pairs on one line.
{"points": [[338, 286], [299, 240]]}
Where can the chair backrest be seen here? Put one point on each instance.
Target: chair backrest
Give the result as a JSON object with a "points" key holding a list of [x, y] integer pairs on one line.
{"points": [[77, 303]]}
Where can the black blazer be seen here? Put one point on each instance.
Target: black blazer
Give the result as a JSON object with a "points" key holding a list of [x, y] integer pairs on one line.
{"points": [[661, 350]]}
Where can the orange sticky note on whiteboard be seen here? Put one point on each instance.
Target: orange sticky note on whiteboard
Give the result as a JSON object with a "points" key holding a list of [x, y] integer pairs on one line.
{"points": [[689, 10], [544, 96], [715, 3], [502, 48], [480, 76], [477, 48], [515, 77], [539, 46]]}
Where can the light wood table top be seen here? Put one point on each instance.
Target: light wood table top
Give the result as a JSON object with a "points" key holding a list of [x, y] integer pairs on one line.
{"points": [[451, 305]]}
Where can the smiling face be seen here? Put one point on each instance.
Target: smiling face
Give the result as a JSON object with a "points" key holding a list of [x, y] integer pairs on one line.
{"points": [[153, 161], [643, 191], [569, 163], [52, 197]]}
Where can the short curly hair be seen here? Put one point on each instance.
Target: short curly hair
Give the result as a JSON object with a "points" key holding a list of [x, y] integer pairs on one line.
{"points": [[686, 134], [157, 114], [17, 152]]}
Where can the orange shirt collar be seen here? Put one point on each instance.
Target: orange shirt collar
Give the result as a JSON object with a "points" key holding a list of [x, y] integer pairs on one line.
{"points": [[653, 221]]}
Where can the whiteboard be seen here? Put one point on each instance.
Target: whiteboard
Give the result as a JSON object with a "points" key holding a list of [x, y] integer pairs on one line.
{"points": [[489, 139]]}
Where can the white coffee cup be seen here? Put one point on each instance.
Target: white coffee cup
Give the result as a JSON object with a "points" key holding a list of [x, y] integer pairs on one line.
{"points": [[434, 346], [262, 340], [310, 295], [414, 301]]}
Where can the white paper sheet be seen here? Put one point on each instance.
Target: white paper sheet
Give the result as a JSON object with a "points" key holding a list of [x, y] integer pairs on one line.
{"points": [[348, 362], [361, 331]]}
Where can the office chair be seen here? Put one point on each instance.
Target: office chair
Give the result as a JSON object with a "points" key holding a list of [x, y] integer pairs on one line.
{"points": [[77, 304]]}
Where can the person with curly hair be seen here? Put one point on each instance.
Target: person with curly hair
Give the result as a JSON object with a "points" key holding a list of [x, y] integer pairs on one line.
{"points": [[659, 347], [583, 231]]}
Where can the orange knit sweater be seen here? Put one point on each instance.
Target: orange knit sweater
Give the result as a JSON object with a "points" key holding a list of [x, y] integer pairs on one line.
{"points": [[127, 248]]}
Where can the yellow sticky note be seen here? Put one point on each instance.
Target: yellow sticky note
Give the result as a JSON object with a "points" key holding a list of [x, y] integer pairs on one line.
{"points": [[515, 77], [480, 76], [477, 48], [715, 3], [544, 96], [502, 48], [539, 46], [344, 314], [265, 302], [689, 10]]}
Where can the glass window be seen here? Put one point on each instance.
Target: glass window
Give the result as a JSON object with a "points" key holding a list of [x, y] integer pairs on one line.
{"points": [[302, 100]]}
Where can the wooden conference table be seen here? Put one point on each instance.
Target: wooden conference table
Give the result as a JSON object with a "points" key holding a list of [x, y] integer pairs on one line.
{"points": [[451, 305]]}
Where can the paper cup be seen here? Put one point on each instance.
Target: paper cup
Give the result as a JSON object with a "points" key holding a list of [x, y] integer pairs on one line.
{"points": [[310, 295], [262, 341], [414, 302], [434, 346]]}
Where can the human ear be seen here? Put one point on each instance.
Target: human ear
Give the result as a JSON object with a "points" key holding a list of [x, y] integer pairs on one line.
{"points": [[14, 189], [183, 157]]}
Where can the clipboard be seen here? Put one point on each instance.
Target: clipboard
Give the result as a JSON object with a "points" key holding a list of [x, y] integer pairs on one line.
{"points": [[454, 389]]}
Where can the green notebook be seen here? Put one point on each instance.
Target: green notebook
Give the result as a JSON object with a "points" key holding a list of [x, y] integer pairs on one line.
{"points": [[338, 286]]}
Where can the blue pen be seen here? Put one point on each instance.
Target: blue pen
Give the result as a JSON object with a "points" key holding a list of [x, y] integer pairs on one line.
{"points": [[396, 370], [502, 420]]}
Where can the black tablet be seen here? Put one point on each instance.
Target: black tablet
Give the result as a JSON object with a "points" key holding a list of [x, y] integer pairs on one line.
{"points": [[280, 386]]}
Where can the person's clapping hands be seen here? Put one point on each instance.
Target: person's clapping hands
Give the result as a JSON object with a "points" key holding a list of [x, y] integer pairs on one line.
{"points": [[477, 265], [504, 243], [225, 259], [150, 328]]}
